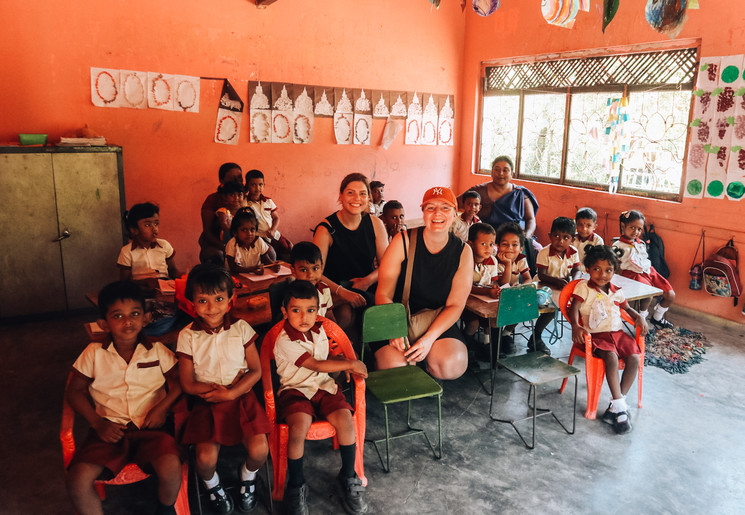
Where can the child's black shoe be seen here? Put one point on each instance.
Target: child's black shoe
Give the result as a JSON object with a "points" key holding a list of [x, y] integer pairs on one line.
{"points": [[352, 494], [538, 346], [622, 423], [296, 500], [662, 323], [609, 417], [222, 503], [247, 498]]}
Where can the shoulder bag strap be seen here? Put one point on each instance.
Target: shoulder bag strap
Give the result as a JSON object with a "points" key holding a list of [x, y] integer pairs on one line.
{"points": [[409, 268], [700, 244]]}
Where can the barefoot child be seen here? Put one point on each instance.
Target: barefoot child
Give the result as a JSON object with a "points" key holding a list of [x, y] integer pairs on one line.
{"points": [[595, 309], [126, 379], [307, 391], [218, 367]]}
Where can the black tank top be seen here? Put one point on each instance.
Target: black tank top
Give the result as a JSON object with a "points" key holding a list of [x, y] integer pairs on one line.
{"points": [[432, 274], [352, 253]]}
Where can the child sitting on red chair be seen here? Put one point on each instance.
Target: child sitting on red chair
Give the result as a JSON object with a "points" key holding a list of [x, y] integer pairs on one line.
{"points": [[126, 379], [595, 310], [308, 391]]}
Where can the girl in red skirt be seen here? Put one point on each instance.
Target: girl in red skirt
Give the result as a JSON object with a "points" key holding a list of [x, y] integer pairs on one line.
{"points": [[635, 264], [596, 309], [219, 366]]}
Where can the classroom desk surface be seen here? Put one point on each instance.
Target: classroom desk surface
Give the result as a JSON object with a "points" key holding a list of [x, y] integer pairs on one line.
{"points": [[634, 290]]}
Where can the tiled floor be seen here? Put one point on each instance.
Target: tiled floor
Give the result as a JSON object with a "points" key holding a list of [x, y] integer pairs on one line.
{"points": [[685, 454]]}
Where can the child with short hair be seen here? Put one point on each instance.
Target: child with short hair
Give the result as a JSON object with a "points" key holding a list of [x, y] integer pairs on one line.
{"points": [[471, 206], [635, 264], [146, 256], [308, 391], [557, 264], [307, 265], [266, 213], [586, 220], [377, 201], [232, 197], [218, 368], [119, 387], [246, 252], [595, 310], [393, 218]]}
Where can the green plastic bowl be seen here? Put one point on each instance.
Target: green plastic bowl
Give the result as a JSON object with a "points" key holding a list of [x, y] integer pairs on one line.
{"points": [[33, 139]]}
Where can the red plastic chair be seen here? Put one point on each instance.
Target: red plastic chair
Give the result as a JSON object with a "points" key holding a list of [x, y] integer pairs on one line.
{"points": [[319, 430], [131, 473], [594, 367]]}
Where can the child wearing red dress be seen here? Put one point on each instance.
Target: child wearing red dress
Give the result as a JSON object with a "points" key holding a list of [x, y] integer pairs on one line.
{"points": [[635, 264], [596, 309], [218, 367]]}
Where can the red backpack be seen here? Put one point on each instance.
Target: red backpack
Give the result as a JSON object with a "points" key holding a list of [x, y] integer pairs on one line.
{"points": [[721, 272]]}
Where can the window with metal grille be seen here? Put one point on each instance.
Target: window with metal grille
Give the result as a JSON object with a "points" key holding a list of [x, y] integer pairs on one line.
{"points": [[603, 122]]}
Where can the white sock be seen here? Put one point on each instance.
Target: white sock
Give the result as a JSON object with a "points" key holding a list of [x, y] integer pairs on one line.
{"points": [[212, 483], [247, 475], [618, 405], [644, 314], [659, 311]]}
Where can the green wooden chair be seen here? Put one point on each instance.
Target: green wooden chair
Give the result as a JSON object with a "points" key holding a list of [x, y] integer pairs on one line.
{"points": [[403, 384], [516, 305]]}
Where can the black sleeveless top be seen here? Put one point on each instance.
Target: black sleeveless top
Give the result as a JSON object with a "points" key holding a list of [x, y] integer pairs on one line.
{"points": [[432, 274], [352, 253]]}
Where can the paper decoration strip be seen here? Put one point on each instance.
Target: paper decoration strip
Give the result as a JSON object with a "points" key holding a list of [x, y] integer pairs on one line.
{"points": [[258, 95], [228, 127], [730, 71], [413, 130], [362, 128], [666, 16], [429, 120], [302, 129], [160, 91], [105, 87], [392, 129], [381, 104], [282, 124], [362, 103], [398, 104], [610, 8], [134, 89], [735, 188], [281, 97], [186, 93], [323, 106], [343, 128], [708, 73], [696, 170], [261, 126], [342, 101], [716, 172]]}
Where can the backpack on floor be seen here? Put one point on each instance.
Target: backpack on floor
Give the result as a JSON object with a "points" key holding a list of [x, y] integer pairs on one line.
{"points": [[721, 273], [656, 251]]}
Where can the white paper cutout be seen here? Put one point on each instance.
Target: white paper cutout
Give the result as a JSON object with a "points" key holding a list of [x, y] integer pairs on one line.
{"points": [[696, 170], [259, 100], [381, 108], [445, 124], [415, 107], [302, 131], [362, 104], [362, 129], [134, 89], [282, 125], [323, 106], [344, 105], [392, 129], [284, 102], [261, 126], [716, 172], [413, 130], [228, 127], [398, 108], [105, 87], [303, 103], [343, 128], [186, 97], [160, 91], [429, 123]]}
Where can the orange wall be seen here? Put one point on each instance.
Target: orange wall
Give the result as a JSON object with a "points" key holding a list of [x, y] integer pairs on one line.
{"points": [[47, 50], [504, 35]]}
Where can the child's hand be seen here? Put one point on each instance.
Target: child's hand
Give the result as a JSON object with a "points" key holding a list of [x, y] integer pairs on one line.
{"points": [[358, 369], [503, 259], [108, 431], [578, 334], [155, 418], [494, 291], [643, 325], [218, 394], [354, 299]]}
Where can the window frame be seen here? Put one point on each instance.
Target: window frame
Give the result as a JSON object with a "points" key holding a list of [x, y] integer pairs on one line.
{"points": [[569, 91]]}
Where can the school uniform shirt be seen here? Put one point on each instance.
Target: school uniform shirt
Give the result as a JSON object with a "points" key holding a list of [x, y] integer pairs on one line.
{"points": [[376, 209], [486, 272], [125, 392], [247, 256], [552, 264], [264, 207], [519, 266], [325, 301], [143, 260], [291, 350], [634, 258], [580, 244], [461, 227], [219, 355], [599, 311]]}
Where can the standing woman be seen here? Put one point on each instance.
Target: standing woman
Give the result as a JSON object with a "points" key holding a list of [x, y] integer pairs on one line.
{"points": [[350, 241], [441, 277]]}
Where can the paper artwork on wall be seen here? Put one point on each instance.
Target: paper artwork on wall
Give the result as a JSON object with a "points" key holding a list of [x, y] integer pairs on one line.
{"points": [[561, 13], [343, 117], [229, 116], [398, 104], [732, 70], [260, 113], [413, 120], [362, 117], [381, 103], [324, 108], [392, 129], [485, 7], [701, 127], [105, 87], [666, 16], [302, 131], [282, 114], [429, 120], [186, 93], [445, 121], [160, 91], [134, 89]]}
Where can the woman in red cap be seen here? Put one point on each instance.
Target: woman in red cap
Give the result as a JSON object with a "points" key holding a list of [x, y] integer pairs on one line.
{"points": [[440, 274]]}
